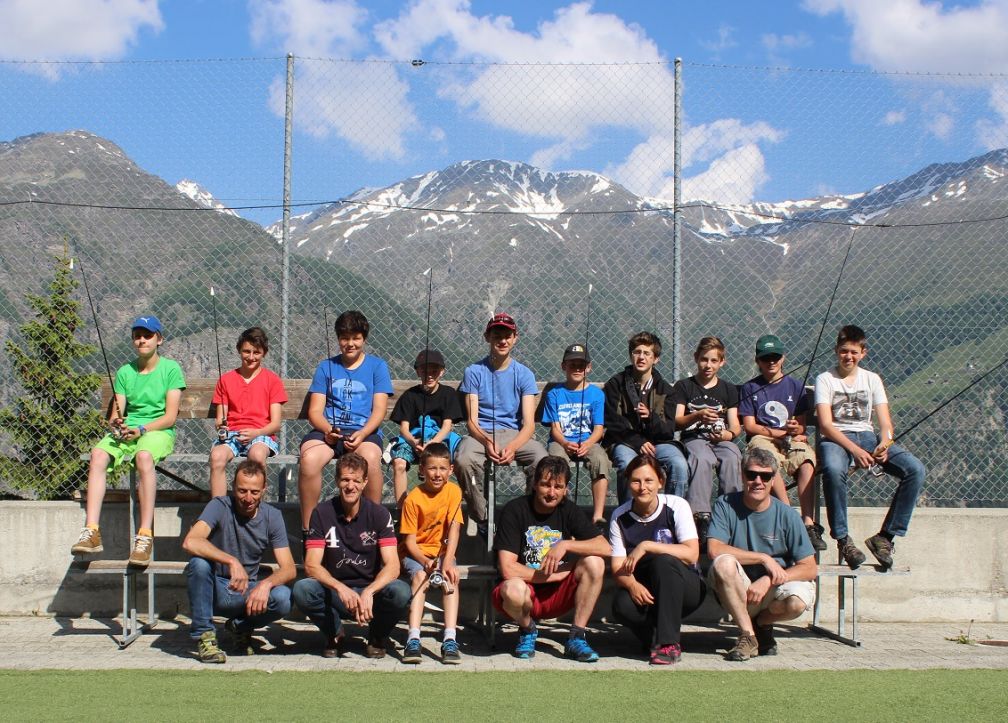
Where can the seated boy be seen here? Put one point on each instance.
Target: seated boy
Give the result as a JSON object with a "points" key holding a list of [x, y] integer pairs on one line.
{"points": [[147, 391], [500, 397], [575, 413], [845, 398], [431, 521], [707, 412], [773, 406], [425, 414], [249, 403], [640, 416]]}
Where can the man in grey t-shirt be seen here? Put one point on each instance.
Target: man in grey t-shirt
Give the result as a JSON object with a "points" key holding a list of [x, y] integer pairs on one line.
{"points": [[227, 543], [763, 562]]}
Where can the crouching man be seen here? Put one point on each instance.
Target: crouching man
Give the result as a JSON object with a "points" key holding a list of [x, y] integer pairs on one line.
{"points": [[763, 563], [227, 543]]}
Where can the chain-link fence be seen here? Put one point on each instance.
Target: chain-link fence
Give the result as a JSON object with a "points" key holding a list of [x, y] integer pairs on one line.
{"points": [[401, 167]]}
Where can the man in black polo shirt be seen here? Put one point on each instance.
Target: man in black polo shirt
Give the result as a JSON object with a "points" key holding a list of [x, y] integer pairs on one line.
{"points": [[352, 565]]}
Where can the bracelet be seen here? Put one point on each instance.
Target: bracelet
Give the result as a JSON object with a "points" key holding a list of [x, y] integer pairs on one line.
{"points": [[142, 429]]}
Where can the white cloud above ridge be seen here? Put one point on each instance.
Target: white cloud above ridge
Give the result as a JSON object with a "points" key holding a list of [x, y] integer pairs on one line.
{"points": [[894, 118], [69, 30]]}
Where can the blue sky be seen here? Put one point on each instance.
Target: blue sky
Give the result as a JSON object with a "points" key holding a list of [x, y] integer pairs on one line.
{"points": [[782, 131]]}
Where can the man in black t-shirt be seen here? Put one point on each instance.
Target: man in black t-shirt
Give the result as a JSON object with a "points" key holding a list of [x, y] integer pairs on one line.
{"points": [[550, 559], [352, 565]]}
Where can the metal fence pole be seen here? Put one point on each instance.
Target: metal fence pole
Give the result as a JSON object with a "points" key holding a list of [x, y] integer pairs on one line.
{"points": [[285, 237], [677, 222]]}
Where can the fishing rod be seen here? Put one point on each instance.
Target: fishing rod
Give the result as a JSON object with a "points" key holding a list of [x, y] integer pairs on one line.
{"points": [[329, 356], [222, 430], [584, 384], [436, 576], [426, 356], [117, 420]]}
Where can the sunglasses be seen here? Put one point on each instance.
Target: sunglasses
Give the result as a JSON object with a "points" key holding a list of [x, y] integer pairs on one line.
{"points": [[752, 475]]}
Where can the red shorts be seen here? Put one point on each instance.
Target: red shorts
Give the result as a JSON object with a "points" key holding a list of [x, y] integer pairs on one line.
{"points": [[549, 599]]}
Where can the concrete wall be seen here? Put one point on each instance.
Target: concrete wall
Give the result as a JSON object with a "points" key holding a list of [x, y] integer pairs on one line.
{"points": [[958, 560]]}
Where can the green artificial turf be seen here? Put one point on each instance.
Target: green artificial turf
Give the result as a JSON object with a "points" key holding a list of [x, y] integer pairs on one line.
{"points": [[648, 694]]}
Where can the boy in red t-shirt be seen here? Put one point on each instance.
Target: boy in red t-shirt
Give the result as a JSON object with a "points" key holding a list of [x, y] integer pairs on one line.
{"points": [[249, 401]]}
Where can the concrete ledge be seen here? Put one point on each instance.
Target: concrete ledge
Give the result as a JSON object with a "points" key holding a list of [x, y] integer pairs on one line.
{"points": [[958, 560]]}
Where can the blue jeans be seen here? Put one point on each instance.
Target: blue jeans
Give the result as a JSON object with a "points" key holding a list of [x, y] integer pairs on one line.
{"points": [[834, 461], [325, 608], [669, 456], [209, 595]]}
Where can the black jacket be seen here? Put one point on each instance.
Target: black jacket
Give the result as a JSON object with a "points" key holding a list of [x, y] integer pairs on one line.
{"points": [[623, 424]]}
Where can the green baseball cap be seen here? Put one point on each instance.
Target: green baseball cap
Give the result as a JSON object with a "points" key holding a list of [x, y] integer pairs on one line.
{"points": [[768, 345]]}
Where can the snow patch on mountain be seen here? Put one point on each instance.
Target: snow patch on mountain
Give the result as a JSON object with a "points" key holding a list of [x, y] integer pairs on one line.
{"points": [[198, 194]]}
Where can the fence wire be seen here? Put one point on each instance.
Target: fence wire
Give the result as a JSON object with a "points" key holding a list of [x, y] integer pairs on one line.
{"points": [[401, 167]]}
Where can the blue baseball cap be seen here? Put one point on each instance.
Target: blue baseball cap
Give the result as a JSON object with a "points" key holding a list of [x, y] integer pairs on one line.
{"points": [[150, 323]]}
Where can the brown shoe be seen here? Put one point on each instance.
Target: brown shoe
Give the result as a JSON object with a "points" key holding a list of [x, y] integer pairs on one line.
{"points": [[143, 547], [89, 543], [376, 648], [335, 647], [746, 647]]}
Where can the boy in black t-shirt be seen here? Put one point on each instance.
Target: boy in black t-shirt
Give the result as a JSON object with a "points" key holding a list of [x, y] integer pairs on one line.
{"points": [[439, 406], [707, 413]]}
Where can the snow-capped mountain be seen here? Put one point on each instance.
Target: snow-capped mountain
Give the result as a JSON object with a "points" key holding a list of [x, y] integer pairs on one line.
{"points": [[200, 195]]}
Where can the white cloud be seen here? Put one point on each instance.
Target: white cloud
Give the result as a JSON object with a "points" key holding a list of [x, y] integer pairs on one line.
{"points": [[940, 125], [774, 42], [731, 179], [362, 102], [725, 40], [994, 133], [894, 118], [73, 30]]}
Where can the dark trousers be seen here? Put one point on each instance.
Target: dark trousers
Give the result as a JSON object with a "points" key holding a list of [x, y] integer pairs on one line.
{"points": [[324, 607], [677, 591]]}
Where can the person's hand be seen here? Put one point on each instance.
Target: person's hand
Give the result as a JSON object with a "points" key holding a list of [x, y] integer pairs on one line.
{"points": [[757, 591], [365, 607], [553, 559], [354, 441], [640, 594], [649, 449], [777, 576], [247, 435], [334, 435], [239, 577], [491, 450], [708, 416], [129, 434], [450, 571], [793, 428], [257, 600], [643, 411], [571, 448], [349, 598], [507, 455], [863, 458], [582, 449], [630, 564], [881, 453], [430, 564]]}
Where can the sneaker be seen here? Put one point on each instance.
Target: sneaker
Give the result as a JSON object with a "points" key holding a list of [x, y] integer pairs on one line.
{"points": [[745, 648], [241, 640], [335, 647], [376, 648], [143, 546], [702, 522], [882, 549], [578, 649], [665, 654], [89, 543], [849, 552], [526, 644], [208, 650], [412, 653], [765, 640], [450, 654], [815, 535]]}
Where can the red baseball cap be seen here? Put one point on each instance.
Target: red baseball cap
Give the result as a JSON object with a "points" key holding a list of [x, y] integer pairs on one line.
{"points": [[503, 320]]}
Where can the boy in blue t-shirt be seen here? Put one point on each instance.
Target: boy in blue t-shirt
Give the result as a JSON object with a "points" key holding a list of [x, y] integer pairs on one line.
{"points": [[773, 407], [348, 397], [575, 413]]}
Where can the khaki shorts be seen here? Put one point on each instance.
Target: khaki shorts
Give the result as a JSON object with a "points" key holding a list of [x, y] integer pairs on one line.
{"points": [[804, 590], [798, 454]]}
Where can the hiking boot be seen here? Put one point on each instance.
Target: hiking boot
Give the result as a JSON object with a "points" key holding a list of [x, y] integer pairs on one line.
{"points": [[745, 648], [412, 653], [665, 654], [208, 650], [241, 640], [376, 649], [578, 649], [143, 546], [702, 521], [765, 640], [335, 647], [815, 534], [450, 654], [526, 644], [882, 549], [849, 552], [89, 543]]}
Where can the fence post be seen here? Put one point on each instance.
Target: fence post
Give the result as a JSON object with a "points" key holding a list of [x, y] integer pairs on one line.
{"points": [[285, 233], [677, 222]]}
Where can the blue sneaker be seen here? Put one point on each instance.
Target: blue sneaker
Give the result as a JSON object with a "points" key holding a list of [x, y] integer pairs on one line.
{"points": [[580, 650], [526, 644], [412, 653], [450, 654]]}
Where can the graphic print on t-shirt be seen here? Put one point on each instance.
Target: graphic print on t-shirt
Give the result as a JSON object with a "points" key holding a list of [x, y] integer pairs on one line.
{"points": [[346, 390], [538, 541], [706, 403], [575, 420], [850, 406], [776, 411]]}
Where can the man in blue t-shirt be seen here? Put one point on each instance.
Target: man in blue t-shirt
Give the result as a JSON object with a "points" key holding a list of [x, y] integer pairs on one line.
{"points": [[500, 414], [762, 564], [575, 413], [227, 543]]}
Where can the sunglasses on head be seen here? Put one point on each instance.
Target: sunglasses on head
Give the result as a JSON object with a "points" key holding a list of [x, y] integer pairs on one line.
{"points": [[752, 474]]}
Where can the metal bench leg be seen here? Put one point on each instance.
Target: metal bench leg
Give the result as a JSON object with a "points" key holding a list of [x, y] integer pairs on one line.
{"points": [[841, 606], [130, 624]]}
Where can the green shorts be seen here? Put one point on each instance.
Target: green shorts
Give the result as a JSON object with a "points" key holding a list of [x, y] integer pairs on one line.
{"points": [[158, 442]]}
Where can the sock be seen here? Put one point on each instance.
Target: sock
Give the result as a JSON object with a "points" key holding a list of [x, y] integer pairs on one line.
{"points": [[414, 634], [145, 532], [92, 527], [530, 629], [888, 535], [449, 634], [576, 632]]}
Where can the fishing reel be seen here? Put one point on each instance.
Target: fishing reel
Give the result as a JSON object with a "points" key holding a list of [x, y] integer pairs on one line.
{"points": [[222, 431], [118, 429], [437, 579]]}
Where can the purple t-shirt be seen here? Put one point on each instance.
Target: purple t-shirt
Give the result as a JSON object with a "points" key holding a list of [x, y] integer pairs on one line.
{"points": [[772, 404]]}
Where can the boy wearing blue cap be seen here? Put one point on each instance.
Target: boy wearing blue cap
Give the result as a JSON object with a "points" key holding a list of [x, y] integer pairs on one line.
{"points": [[147, 391]]}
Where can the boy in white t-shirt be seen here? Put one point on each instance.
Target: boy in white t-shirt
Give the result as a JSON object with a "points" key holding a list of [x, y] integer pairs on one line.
{"points": [[845, 398]]}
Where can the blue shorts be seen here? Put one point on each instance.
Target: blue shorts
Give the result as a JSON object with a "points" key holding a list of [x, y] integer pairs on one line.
{"points": [[338, 449], [411, 567], [401, 449], [240, 449]]}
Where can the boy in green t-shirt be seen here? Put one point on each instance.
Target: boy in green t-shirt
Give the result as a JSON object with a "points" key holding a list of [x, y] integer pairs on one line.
{"points": [[147, 391]]}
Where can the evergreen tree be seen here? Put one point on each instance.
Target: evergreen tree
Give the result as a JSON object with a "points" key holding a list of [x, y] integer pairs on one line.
{"points": [[54, 421]]}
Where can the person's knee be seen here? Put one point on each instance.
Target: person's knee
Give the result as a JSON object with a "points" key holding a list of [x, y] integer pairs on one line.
{"points": [[396, 594], [144, 460], [514, 592], [259, 453], [789, 608], [590, 568], [280, 599], [724, 570], [305, 593], [399, 465], [197, 567]]}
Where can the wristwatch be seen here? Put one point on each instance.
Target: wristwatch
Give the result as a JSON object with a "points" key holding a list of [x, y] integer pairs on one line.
{"points": [[142, 429]]}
